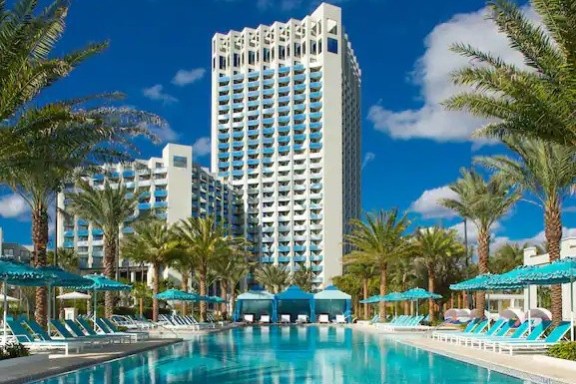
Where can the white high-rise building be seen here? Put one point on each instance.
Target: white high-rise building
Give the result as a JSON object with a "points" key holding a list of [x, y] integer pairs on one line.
{"points": [[286, 134]]}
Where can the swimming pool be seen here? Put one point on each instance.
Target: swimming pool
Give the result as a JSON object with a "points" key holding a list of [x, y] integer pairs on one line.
{"points": [[285, 355]]}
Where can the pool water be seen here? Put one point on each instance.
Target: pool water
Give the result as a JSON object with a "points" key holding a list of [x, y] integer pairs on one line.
{"points": [[285, 355]]}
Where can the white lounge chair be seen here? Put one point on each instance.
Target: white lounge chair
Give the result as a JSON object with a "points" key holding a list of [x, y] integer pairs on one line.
{"points": [[340, 319], [302, 319], [323, 319], [285, 318], [249, 318], [265, 319]]}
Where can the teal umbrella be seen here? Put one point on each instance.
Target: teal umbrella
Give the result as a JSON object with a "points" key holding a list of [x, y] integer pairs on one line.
{"points": [[216, 299], [102, 283], [393, 296], [177, 295], [14, 273], [417, 294], [371, 299], [477, 283], [559, 272]]}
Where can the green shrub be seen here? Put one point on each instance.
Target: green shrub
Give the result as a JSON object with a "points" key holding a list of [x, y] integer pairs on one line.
{"points": [[12, 350], [565, 351]]}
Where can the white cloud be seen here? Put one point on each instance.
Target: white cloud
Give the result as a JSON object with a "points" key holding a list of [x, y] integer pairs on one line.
{"points": [[432, 73], [156, 92], [368, 158], [13, 206], [428, 204], [185, 77], [201, 147], [165, 133], [472, 231]]}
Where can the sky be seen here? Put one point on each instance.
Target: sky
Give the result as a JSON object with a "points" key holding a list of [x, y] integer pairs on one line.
{"points": [[159, 57]]}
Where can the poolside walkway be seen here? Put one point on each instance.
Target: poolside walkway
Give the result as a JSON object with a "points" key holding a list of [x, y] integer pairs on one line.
{"points": [[57, 364], [528, 367]]}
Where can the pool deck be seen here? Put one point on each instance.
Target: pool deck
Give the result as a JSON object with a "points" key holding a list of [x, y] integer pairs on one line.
{"points": [[57, 364], [526, 367]]}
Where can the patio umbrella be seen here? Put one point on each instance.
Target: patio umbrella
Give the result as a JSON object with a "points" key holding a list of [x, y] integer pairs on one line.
{"points": [[559, 272], [216, 299], [417, 294], [74, 296], [15, 273], [102, 283], [177, 295], [371, 300], [477, 283]]}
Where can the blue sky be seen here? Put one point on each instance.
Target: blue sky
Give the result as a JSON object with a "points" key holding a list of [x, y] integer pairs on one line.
{"points": [[159, 56]]}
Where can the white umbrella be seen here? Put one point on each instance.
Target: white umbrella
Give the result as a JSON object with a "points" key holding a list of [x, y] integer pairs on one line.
{"points": [[74, 296], [8, 299]]}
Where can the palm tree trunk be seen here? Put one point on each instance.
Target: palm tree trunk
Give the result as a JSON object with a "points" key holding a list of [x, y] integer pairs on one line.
{"points": [[202, 275], [431, 287], [553, 232], [383, 284], [155, 289], [224, 296], [483, 254], [365, 294], [109, 261], [184, 287], [40, 239]]}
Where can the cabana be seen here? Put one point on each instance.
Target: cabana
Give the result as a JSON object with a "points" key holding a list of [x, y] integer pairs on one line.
{"points": [[333, 302], [294, 301], [257, 303]]}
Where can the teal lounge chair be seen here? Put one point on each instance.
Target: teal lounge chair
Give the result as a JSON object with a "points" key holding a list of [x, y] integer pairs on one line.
{"points": [[537, 345], [85, 327], [478, 329], [114, 330], [534, 334], [66, 334], [464, 339], [469, 327], [105, 329], [27, 339]]}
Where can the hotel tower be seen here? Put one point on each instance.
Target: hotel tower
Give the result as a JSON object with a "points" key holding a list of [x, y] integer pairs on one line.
{"points": [[286, 136]]}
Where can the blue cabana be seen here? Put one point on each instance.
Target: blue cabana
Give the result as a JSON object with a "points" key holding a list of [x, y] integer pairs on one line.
{"points": [[256, 302], [333, 302], [294, 301]]}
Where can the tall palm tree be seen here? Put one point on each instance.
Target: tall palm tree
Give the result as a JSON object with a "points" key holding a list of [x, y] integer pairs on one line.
{"points": [[303, 278], [547, 172], [507, 257], [538, 100], [107, 208], [205, 241], [379, 241], [273, 277], [364, 272], [184, 265], [403, 276], [231, 270], [154, 243], [432, 247], [483, 203], [68, 259]]}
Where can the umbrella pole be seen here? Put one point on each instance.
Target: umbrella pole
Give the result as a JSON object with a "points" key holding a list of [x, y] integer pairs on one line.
{"points": [[571, 307], [529, 314], [95, 308], [5, 312], [49, 306]]}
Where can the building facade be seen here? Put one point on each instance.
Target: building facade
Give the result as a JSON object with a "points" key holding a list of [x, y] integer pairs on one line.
{"points": [[15, 251], [171, 187], [286, 134]]}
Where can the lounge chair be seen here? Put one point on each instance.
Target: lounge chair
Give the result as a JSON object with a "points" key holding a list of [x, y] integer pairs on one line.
{"points": [[65, 334], [491, 331], [534, 334], [249, 318], [323, 318], [479, 339], [90, 331], [285, 318], [106, 329], [27, 339], [441, 334], [302, 319], [264, 319], [478, 329], [340, 319], [375, 319], [538, 345]]}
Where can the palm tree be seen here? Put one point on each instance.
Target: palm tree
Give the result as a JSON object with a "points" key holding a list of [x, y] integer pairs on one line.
{"points": [[184, 265], [108, 209], [547, 172], [350, 284], [538, 100], [68, 259], [432, 247], [403, 276], [154, 243], [27, 39], [303, 278], [364, 272], [205, 242], [483, 203], [379, 241], [231, 270], [274, 278]]}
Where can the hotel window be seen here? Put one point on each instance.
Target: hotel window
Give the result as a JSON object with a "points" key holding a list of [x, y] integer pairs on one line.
{"points": [[251, 57], [281, 52], [222, 63], [236, 60], [332, 45], [180, 161], [266, 55]]}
